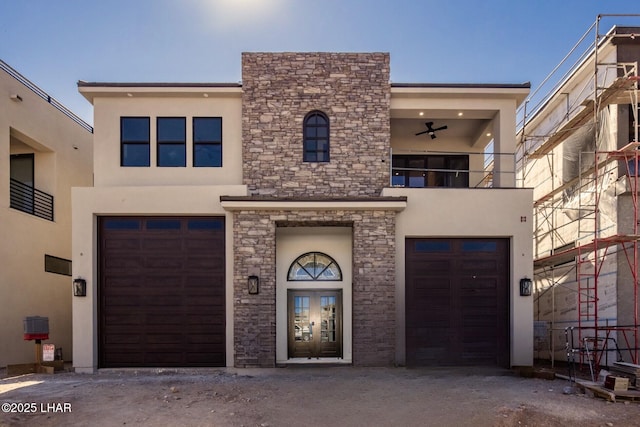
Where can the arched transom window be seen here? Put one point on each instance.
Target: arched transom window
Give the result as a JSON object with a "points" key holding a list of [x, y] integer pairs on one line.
{"points": [[314, 266], [316, 137]]}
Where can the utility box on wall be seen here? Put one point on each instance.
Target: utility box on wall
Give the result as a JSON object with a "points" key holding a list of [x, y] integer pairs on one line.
{"points": [[36, 328]]}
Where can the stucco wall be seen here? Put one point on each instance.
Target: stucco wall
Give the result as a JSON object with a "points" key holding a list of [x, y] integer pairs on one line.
{"points": [[89, 203], [279, 89], [452, 212], [62, 159], [108, 111]]}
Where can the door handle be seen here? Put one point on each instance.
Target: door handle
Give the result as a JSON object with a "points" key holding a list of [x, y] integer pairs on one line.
{"points": [[311, 325]]}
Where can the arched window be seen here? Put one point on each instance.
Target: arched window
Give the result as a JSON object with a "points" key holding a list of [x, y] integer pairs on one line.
{"points": [[314, 266], [315, 129]]}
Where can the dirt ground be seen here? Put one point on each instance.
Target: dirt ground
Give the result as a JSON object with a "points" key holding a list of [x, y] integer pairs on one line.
{"points": [[304, 396]]}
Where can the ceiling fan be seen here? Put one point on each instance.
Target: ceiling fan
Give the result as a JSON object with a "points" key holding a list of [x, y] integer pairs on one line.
{"points": [[431, 130]]}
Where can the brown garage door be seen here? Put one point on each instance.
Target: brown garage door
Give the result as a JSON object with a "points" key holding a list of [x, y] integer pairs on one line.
{"points": [[457, 302], [161, 292]]}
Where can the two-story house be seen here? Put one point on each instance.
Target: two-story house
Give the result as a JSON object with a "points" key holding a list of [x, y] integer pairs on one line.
{"points": [[45, 150], [579, 151], [314, 213]]}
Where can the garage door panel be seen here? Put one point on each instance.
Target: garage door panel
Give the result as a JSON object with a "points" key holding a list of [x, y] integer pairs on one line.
{"points": [[196, 244], [123, 339], [122, 244], [457, 311], [124, 262], [160, 245], [480, 284], [200, 262], [433, 268], [171, 273], [478, 267]]}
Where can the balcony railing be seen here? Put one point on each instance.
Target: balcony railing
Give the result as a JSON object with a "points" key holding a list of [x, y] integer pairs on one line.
{"points": [[30, 200], [455, 170], [44, 95]]}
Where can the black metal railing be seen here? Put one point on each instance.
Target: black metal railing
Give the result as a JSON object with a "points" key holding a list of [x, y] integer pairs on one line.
{"points": [[42, 94], [30, 200]]}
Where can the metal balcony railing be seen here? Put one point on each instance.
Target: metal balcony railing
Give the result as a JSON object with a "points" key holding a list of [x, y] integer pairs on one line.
{"points": [[478, 170], [30, 200], [44, 95]]}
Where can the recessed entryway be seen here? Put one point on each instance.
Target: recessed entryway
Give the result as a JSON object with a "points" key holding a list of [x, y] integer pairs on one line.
{"points": [[314, 295]]}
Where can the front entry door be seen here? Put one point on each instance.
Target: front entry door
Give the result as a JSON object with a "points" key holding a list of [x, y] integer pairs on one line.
{"points": [[315, 323]]}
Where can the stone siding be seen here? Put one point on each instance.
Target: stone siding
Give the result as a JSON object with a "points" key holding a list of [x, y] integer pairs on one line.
{"points": [[352, 89], [373, 282]]}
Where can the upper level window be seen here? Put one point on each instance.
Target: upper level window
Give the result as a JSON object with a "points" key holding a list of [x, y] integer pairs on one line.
{"points": [[314, 266], [172, 141], [134, 139], [316, 137], [207, 141], [430, 171]]}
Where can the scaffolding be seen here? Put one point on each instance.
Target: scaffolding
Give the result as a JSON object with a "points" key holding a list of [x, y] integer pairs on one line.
{"points": [[589, 237]]}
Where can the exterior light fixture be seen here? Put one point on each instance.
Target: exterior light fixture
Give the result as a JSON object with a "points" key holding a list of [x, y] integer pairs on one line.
{"points": [[79, 287], [526, 286], [253, 283], [15, 97]]}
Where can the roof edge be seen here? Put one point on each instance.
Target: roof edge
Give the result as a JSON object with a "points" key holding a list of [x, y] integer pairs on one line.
{"points": [[82, 83], [525, 85]]}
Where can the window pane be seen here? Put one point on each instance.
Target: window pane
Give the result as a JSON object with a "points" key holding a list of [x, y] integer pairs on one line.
{"points": [[310, 156], [314, 266], [416, 179], [398, 179], [172, 155], [322, 156], [163, 224], [321, 132], [310, 145], [134, 129], [207, 155], [310, 132], [206, 224], [171, 129], [135, 155], [207, 129], [479, 246], [122, 224], [322, 145], [433, 246]]}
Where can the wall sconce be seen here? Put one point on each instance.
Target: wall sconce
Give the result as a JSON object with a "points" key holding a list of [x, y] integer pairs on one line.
{"points": [[79, 287], [526, 286], [253, 282], [15, 97]]}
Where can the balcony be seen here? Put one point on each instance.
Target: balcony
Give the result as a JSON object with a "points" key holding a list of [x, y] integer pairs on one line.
{"points": [[452, 170], [28, 199]]}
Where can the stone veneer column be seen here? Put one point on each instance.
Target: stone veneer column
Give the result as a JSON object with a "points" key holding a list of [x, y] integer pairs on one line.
{"points": [[373, 283], [352, 89]]}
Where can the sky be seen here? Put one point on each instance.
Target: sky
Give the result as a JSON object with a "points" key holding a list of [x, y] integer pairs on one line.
{"points": [[55, 43]]}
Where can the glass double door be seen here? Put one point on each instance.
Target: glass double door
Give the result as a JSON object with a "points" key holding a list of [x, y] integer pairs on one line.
{"points": [[314, 323]]}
